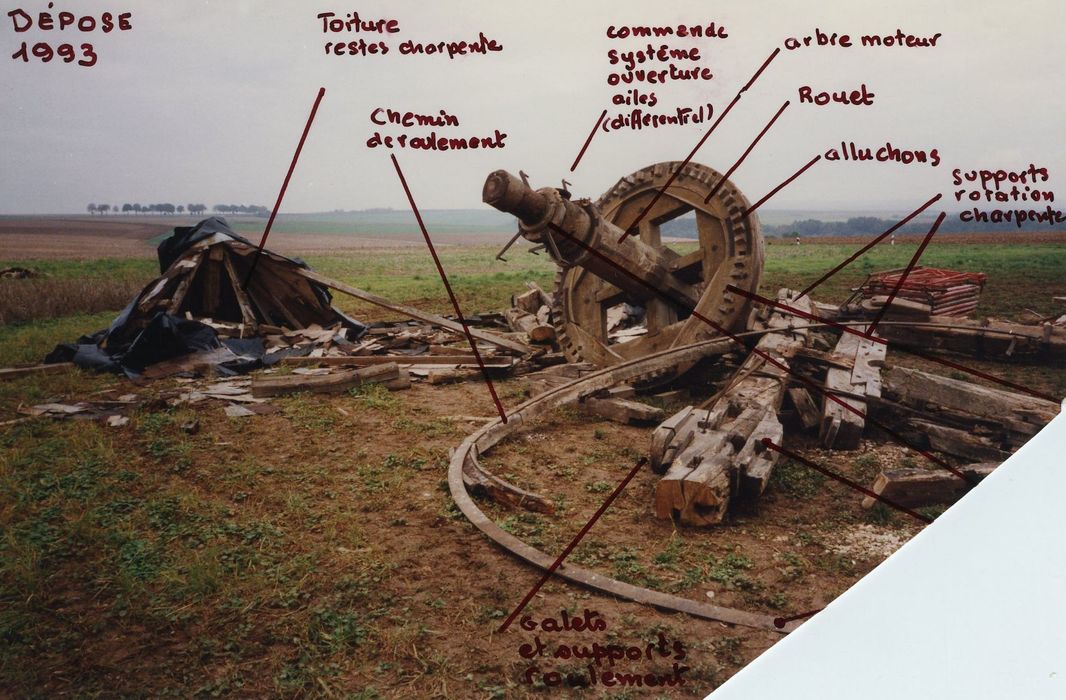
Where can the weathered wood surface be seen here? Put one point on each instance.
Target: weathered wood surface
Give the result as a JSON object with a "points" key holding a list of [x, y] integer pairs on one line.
{"points": [[242, 296], [333, 383], [713, 454], [528, 301], [961, 443], [622, 410], [957, 417], [916, 488], [367, 360], [523, 322], [933, 393], [452, 376], [805, 407], [989, 339], [410, 311], [546, 299], [841, 428]]}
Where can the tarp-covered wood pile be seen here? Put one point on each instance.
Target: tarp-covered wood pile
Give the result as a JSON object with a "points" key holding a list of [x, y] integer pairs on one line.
{"points": [[199, 306], [222, 306]]}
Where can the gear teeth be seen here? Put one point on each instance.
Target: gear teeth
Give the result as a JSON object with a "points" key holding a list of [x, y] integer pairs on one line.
{"points": [[743, 239]]}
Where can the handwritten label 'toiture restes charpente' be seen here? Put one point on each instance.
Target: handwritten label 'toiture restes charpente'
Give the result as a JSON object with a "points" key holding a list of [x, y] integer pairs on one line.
{"points": [[583, 664]]}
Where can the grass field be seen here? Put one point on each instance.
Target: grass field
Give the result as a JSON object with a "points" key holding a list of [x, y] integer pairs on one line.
{"points": [[316, 551], [1022, 275]]}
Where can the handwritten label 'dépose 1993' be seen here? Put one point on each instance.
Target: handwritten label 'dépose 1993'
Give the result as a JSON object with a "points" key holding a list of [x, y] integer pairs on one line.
{"points": [[68, 23]]}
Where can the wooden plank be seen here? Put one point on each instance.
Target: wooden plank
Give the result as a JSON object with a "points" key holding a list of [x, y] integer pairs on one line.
{"points": [[335, 383], [452, 376], [758, 460], [805, 407], [178, 297], [986, 339], [242, 298], [10, 373], [212, 290], [841, 429], [670, 437], [622, 410], [367, 360], [453, 350], [294, 323], [929, 391], [960, 443], [410, 311], [916, 488]]}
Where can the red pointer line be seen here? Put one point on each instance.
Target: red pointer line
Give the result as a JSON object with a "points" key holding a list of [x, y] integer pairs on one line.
{"points": [[903, 277], [721, 181], [877, 339], [780, 365], [780, 622], [284, 186], [767, 442], [588, 141], [573, 543], [775, 190], [866, 247], [703, 139], [448, 286]]}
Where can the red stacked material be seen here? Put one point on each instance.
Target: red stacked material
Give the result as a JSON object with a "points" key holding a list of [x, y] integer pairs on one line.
{"points": [[947, 292]]}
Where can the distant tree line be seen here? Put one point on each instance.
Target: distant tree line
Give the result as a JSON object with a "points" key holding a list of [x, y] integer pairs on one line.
{"points": [[251, 210], [168, 208]]}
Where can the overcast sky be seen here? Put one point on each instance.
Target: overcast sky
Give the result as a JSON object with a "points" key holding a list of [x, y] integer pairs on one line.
{"points": [[205, 101]]}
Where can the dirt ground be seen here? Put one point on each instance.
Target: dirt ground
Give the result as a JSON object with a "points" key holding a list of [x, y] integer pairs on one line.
{"points": [[315, 550]]}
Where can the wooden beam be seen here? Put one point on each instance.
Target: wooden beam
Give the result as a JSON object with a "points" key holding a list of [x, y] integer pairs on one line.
{"points": [[529, 324], [411, 312], [242, 298], [212, 291], [985, 339], [916, 488], [712, 455], [842, 429], [622, 410], [335, 383], [805, 407], [366, 360], [174, 306], [528, 301], [452, 376]]}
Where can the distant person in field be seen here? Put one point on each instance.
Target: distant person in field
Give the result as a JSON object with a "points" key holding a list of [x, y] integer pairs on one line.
{"points": [[797, 239]]}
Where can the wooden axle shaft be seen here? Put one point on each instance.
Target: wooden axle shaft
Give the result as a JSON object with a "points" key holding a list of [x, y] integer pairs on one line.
{"points": [[620, 260]]}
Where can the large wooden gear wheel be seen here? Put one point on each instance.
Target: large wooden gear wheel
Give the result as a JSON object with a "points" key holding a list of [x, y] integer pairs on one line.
{"points": [[730, 252]]}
